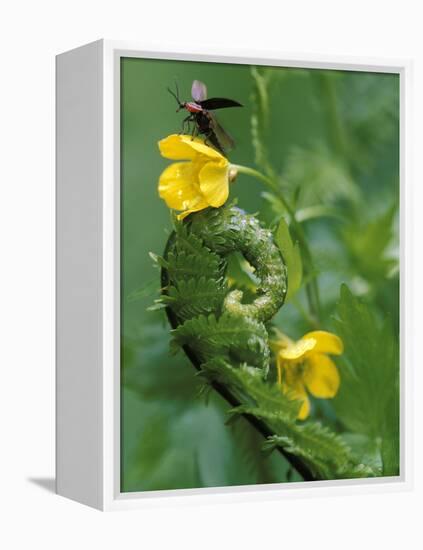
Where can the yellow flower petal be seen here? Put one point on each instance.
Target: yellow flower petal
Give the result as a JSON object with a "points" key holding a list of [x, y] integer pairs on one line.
{"points": [[304, 409], [195, 206], [199, 146], [178, 186], [280, 341], [214, 183], [183, 147], [174, 148], [321, 376], [296, 391], [326, 342], [279, 368], [297, 350]]}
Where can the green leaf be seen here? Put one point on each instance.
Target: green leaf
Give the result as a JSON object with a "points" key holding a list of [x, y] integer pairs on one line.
{"points": [[391, 435], [292, 256], [157, 306], [367, 400], [157, 260], [318, 211], [367, 243], [148, 289], [189, 447], [321, 176], [372, 123], [149, 369], [365, 449]]}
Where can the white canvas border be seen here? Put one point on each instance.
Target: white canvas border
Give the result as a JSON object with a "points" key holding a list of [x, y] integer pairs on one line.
{"points": [[110, 496]]}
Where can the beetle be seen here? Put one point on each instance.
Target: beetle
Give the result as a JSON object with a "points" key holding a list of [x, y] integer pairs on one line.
{"points": [[205, 122]]}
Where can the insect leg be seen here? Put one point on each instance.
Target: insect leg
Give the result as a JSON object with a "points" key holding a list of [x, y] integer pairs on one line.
{"points": [[194, 132], [207, 136], [186, 121]]}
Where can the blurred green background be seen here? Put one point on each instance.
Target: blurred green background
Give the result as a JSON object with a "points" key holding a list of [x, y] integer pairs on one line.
{"points": [[333, 136]]}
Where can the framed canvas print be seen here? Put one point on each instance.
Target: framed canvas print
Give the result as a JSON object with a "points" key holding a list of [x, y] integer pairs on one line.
{"points": [[231, 275]]}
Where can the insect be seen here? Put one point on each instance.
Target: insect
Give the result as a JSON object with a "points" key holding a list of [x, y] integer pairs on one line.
{"points": [[204, 122]]}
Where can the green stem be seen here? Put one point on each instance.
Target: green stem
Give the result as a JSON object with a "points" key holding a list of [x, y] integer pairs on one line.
{"points": [[337, 134], [269, 182], [311, 287], [306, 316]]}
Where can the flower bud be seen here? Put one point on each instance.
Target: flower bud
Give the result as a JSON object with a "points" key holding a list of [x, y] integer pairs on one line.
{"points": [[232, 174]]}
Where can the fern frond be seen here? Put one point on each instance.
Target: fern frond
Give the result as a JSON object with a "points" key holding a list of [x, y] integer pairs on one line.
{"points": [[185, 265], [326, 453], [188, 242], [196, 296], [235, 338]]}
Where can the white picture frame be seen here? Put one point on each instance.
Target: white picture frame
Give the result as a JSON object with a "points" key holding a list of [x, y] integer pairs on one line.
{"points": [[88, 278]]}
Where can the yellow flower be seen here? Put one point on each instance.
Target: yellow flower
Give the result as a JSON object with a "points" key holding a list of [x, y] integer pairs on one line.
{"points": [[305, 365], [200, 181]]}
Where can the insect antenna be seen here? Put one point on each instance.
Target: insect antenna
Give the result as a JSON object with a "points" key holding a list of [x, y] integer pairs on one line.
{"points": [[176, 96]]}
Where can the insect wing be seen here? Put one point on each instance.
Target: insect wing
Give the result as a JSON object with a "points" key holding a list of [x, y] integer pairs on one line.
{"points": [[198, 91], [219, 103], [224, 140]]}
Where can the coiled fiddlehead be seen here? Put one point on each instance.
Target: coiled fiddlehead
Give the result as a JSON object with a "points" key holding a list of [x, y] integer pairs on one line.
{"points": [[227, 230], [197, 290]]}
